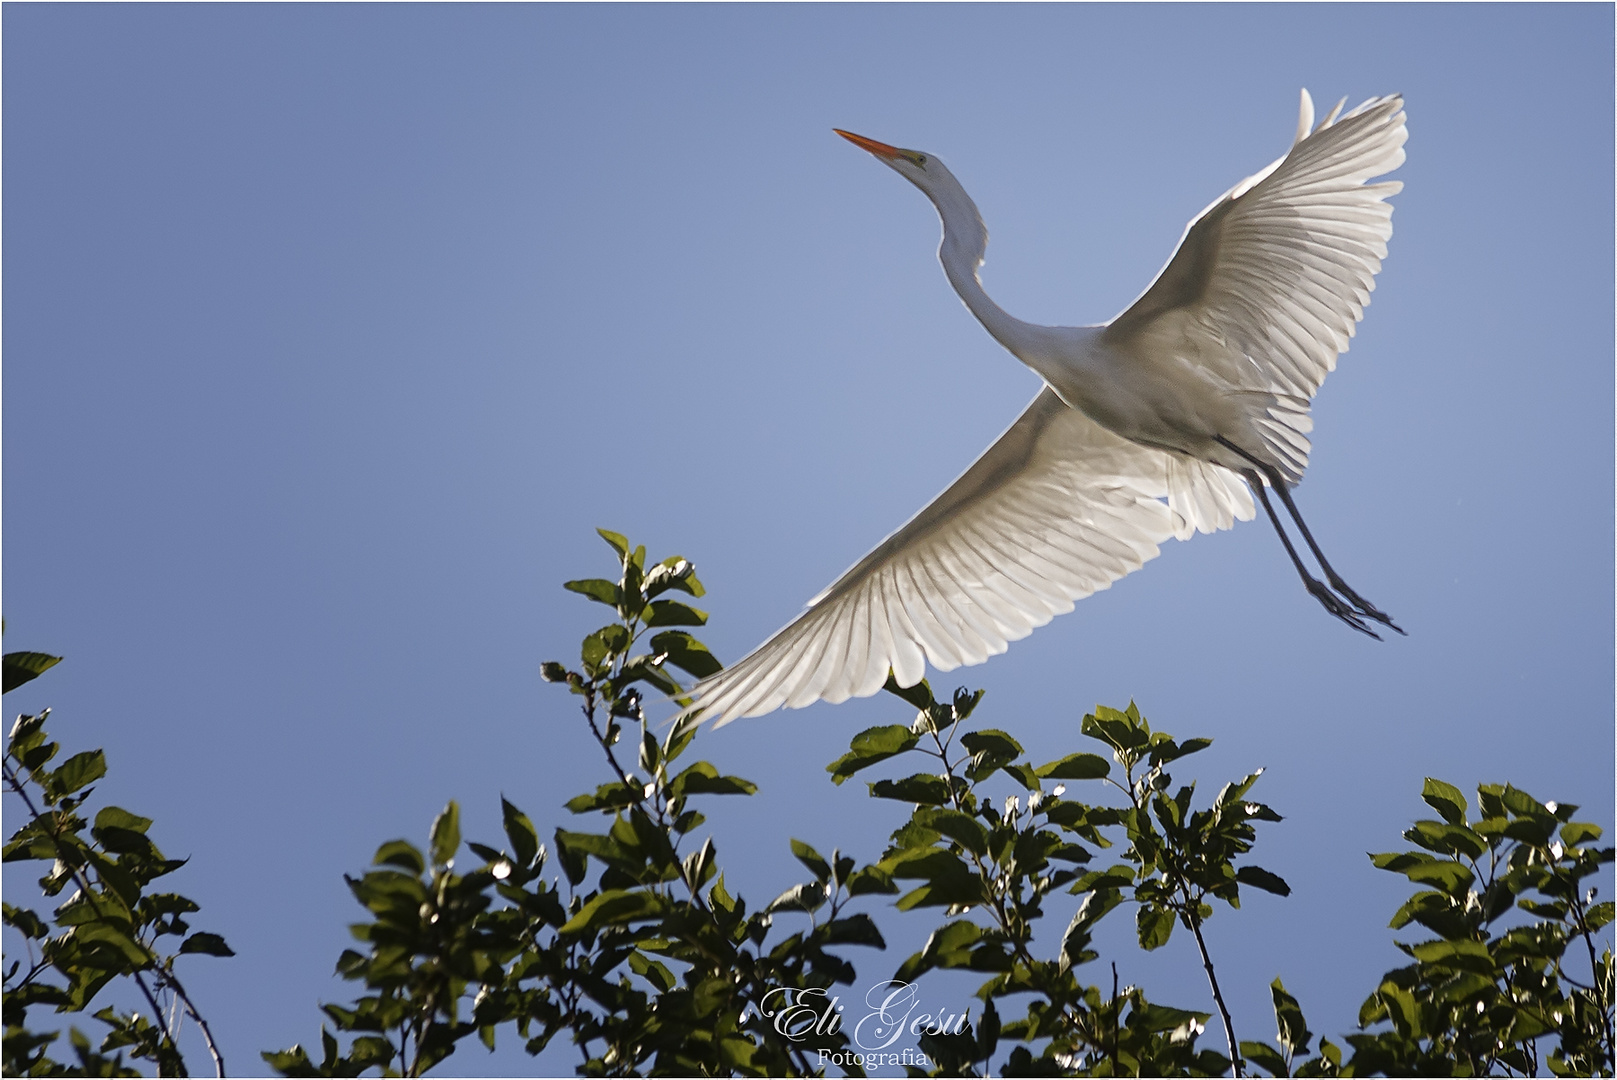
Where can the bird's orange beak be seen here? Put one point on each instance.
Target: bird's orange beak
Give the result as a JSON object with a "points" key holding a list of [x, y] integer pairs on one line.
{"points": [[880, 149]]}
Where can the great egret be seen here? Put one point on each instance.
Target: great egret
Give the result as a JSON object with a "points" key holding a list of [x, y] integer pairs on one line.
{"points": [[1146, 427]]}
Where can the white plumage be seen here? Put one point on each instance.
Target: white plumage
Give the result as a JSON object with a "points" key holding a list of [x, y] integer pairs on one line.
{"points": [[1161, 423]]}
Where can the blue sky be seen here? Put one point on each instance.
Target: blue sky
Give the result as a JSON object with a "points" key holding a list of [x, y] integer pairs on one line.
{"points": [[332, 332]]}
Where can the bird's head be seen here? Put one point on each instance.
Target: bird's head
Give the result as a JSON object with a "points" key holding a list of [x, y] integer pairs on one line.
{"points": [[964, 236], [923, 170]]}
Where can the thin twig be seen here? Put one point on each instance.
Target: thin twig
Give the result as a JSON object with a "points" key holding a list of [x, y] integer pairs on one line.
{"points": [[1117, 1016], [1218, 997]]}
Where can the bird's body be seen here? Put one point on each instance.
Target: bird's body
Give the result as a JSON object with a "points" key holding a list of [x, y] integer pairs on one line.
{"points": [[1162, 422]]}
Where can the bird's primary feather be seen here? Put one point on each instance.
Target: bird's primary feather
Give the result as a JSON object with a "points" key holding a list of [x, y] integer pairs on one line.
{"points": [[1279, 270]]}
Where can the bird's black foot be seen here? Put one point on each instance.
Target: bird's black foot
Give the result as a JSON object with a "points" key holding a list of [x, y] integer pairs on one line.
{"points": [[1365, 607], [1333, 603]]}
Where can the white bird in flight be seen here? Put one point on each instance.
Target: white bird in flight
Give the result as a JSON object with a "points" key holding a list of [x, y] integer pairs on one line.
{"points": [[1162, 422]]}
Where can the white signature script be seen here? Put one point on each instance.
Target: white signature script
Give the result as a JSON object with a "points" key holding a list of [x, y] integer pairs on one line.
{"points": [[892, 1011]]}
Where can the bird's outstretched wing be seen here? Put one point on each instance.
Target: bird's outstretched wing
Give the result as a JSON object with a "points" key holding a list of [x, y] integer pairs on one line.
{"points": [[1282, 266], [1057, 508]]}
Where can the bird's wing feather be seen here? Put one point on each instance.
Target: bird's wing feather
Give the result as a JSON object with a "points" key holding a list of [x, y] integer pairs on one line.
{"points": [[1057, 508], [1281, 267]]}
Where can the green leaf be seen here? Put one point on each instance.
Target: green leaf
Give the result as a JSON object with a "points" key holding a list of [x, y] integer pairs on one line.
{"points": [[606, 642], [27, 922], [1462, 954], [126, 842], [679, 737], [1076, 767], [1396, 1004], [720, 897], [686, 653], [1294, 1033], [619, 542], [77, 771], [965, 702], [1522, 804], [922, 789], [798, 898], [857, 929], [870, 879], [703, 779], [1397, 862], [446, 834], [736, 1054], [1265, 1057], [24, 667], [951, 944], [1446, 799], [962, 828], [1455, 839], [1165, 750], [1120, 876], [1573, 833], [401, 853], [653, 971], [1490, 800], [613, 907], [813, 860], [1435, 911], [994, 743], [1154, 925], [640, 669], [1531, 830], [1452, 877], [919, 695], [211, 944], [674, 572], [1151, 1017], [116, 817], [1023, 774], [871, 746], [949, 880], [597, 589], [674, 613], [1259, 878], [613, 796], [520, 832], [1119, 730], [650, 753], [293, 1062], [104, 932]]}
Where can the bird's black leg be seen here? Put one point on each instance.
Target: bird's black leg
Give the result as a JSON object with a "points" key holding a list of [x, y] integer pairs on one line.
{"points": [[1366, 608], [1316, 588]]}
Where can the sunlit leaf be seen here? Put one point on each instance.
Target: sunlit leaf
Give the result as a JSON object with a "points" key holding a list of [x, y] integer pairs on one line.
{"points": [[686, 653], [871, 746], [1076, 767], [446, 834], [24, 667], [919, 695], [1446, 799], [598, 589], [673, 613]]}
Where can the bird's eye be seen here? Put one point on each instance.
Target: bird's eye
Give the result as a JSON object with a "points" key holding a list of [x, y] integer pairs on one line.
{"points": [[920, 159]]}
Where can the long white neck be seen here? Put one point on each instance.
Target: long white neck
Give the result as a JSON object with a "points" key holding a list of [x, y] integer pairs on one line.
{"points": [[965, 238]]}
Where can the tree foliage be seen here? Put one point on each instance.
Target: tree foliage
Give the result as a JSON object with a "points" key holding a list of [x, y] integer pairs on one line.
{"points": [[111, 927], [622, 938]]}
